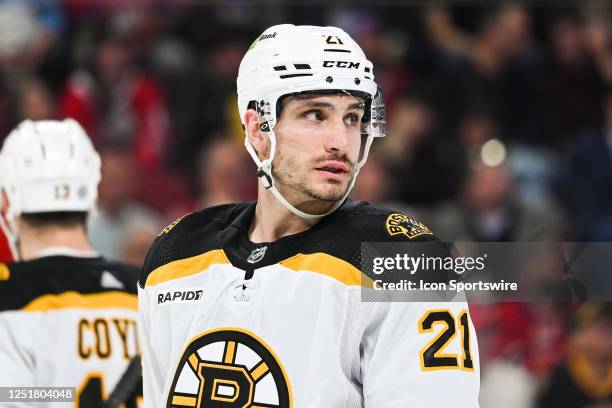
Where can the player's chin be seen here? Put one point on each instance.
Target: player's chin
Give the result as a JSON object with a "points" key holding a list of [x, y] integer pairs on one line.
{"points": [[331, 191]]}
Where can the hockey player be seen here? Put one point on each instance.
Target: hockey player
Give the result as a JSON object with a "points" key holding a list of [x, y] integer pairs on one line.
{"points": [[258, 304], [67, 316]]}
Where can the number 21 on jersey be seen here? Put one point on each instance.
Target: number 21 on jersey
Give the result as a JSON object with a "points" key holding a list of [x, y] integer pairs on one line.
{"points": [[432, 356]]}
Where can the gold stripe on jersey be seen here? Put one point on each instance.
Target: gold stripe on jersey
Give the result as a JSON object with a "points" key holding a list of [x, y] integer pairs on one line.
{"points": [[259, 371], [75, 300], [184, 401], [230, 352], [194, 361], [186, 267], [5, 273], [328, 265]]}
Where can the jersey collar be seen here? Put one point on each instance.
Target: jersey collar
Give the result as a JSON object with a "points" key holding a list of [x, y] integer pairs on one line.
{"points": [[66, 251], [237, 246]]}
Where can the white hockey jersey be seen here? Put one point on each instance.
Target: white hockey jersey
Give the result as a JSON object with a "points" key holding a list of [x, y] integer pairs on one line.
{"points": [[229, 323], [67, 321]]}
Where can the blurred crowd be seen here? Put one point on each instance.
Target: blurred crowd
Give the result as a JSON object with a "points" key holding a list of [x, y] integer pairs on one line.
{"points": [[500, 129]]}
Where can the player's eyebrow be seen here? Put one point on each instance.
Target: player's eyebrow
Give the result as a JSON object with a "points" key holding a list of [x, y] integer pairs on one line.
{"points": [[327, 105]]}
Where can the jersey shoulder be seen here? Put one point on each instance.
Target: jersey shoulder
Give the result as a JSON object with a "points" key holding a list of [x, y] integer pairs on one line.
{"points": [[366, 223], [344, 232], [389, 233], [23, 282], [193, 234]]}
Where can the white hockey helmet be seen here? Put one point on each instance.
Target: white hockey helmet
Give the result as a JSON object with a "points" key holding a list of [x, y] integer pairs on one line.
{"points": [[288, 60], [48, 166]]}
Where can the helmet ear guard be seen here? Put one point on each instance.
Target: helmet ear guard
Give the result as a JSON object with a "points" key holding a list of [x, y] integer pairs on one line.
{"points": [[264, 167]]}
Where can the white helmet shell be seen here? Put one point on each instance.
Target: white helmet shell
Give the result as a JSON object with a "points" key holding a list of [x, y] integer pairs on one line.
{"points": [[288, 59], [49, 166]]}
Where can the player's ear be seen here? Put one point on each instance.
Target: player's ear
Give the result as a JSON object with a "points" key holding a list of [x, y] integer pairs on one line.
{"points": [[258, 139]]}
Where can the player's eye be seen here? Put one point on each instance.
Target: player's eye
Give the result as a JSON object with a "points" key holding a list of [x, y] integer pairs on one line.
{"points": [[314, 115], [352, 119]]}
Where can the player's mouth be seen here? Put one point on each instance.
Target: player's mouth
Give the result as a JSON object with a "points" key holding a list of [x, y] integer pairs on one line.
{"points": [[333, 170]]}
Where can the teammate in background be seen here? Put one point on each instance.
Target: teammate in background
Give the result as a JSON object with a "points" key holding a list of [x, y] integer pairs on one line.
{"points": [[258, 304], [67, 316]]}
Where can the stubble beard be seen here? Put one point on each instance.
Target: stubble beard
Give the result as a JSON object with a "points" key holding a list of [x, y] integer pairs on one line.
{"points": [[293, 182]]}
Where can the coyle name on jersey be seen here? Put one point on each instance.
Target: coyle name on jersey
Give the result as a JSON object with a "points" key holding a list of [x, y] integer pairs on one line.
{"points": [[68, 321]]}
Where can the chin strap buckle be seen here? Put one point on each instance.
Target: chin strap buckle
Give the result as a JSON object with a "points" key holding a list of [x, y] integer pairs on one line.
{"points": [[267, 180]]}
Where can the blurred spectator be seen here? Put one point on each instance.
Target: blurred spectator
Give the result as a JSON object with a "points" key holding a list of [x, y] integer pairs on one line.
{"points": [[475, 128], [506, 385], [585, 378], [502, 33], [225, 174], [215, 108], [533, 334], [117, 205], [35, 101], [425, 168], [533, 168], [118, 103], [573, 85], [585, 182], [599, 42], [487, 210], [137, 235], [28, 29], [495, 66], [372, 184]]}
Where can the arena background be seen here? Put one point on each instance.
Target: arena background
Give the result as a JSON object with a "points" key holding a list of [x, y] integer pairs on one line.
{"points": [[500, 129]]}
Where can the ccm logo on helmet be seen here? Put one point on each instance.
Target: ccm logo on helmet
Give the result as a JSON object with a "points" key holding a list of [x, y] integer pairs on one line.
{"points": [[179, 296], [340, 64]]}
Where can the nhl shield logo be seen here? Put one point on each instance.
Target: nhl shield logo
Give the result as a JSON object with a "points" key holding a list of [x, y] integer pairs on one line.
{"points": [[257, 255]]}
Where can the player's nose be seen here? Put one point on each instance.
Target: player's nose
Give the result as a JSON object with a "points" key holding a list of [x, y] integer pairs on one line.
{"points": [[337, 136]]}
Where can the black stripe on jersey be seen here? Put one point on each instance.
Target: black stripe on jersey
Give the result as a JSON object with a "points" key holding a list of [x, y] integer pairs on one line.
{"points": [[226, 227], [339, 234], [194, 234], [52, 275]]}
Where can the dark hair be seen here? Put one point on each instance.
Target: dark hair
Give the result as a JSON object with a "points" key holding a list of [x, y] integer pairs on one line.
{"points": [[61, 219]]}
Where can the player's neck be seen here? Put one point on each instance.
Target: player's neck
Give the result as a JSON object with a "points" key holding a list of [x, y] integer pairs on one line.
{"points": [[32, 241], [273, 221]]}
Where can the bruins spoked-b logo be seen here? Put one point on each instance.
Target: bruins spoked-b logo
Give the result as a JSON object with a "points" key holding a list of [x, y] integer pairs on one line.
{"points": [[229, 368]]}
